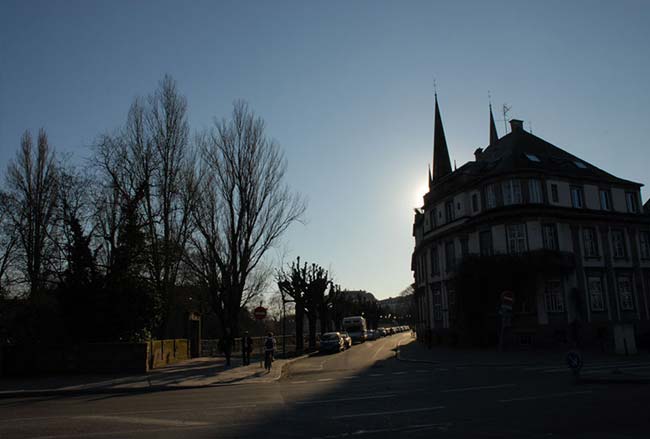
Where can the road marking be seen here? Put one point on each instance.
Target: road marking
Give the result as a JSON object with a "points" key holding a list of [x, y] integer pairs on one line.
{"points": [[399, 373], [394, 412], [421, 371], [144, 421], [378, 351], [354, 398], [325, 379], [468, 389], [299, 382], [351, 377], [551, 395], [376, 374], [410, 428]]}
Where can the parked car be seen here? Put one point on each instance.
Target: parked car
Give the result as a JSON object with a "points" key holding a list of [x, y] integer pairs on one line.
{"points": [[372, 335], [382, 332], [332, 342], [347, 339]]}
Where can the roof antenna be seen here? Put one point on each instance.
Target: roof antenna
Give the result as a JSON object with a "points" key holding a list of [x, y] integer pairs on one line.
{"points": [[506, 110], [435, 88]]}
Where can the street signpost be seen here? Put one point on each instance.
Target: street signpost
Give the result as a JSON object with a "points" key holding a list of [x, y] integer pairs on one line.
{"points": [[505, 311], [260, 314]]}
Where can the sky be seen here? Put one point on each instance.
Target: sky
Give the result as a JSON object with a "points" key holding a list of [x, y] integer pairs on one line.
{"points": [[346, 88]]}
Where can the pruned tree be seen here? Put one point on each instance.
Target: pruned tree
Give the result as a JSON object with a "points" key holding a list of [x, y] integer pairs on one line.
{"points": [[244, 208], [31, 201]]}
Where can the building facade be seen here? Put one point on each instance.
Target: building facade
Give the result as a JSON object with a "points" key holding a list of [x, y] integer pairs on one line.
{"points": [[571, 241]]}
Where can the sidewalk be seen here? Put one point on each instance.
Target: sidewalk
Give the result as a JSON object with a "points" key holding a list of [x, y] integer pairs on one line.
{"points": [[597, 366], [196, 373]]}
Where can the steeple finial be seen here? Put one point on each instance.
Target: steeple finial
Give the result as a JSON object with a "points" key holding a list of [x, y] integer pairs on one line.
{"points": [[430, 180], [441, 162], [494, 136]]}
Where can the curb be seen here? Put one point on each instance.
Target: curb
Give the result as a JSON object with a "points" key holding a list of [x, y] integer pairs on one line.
{"points": [[135, 390], [398, 355]]}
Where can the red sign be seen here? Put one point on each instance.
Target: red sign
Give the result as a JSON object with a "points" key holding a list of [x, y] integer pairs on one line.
{"points": [[260, 313], [507, 297]]}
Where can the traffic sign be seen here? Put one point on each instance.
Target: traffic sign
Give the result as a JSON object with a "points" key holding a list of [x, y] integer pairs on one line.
{"points": [[507, 298], [260, 313]]}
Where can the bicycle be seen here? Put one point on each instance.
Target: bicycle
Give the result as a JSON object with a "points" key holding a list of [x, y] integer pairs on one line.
{"points": [[268, 361]]}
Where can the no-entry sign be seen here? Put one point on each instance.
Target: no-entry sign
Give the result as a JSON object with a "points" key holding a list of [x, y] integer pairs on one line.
{"points": [[507, 297], [260, 313]]}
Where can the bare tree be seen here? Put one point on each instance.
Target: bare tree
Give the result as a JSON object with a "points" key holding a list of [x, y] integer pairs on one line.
{"points": [[151, 152], [243, 210], [8, 240], [32, 181]]}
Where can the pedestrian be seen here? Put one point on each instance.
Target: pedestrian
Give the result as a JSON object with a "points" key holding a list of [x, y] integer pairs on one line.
{"points": [[226, 345], [269, 349], [246, 348]]}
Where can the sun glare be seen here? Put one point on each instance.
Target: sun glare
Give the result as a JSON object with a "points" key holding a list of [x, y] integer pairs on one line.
{"points": [[420, 191]]}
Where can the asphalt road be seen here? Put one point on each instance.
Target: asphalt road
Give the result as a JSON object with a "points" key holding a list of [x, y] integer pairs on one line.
{"points": [[364, 392]]}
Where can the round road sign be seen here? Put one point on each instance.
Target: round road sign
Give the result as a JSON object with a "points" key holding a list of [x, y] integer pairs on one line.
{"points": [[260, 313]]}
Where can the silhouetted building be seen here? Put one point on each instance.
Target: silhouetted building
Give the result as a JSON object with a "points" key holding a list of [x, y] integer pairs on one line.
{"points": [[569, 239]]}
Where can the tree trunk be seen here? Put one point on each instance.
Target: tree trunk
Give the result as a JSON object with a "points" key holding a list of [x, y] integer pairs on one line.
{"points": [[312, 317], [300, 313]]}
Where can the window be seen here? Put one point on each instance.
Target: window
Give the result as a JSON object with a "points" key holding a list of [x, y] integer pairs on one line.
{"points": [[624, 287], [553, 296], [590, 242], [534, 191], [475, 202], [605, 202], [435, 264], [618, 244], [580, 165], [432, 218], [549, 236], [644, 241], [596, 298], [491, 196], [533, 158], [632, 202], [516, 238], [485, 242], [437, 304], [554, 194], [450, 256], [449, 211], [464, 247], [511, 192], [577, 197]]}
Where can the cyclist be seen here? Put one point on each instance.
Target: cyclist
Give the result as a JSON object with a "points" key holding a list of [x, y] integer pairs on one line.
{"points": [[269, 349]]}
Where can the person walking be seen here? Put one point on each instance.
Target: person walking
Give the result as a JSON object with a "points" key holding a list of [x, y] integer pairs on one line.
{"points": [[246, 348], [226, 346], [269, 350]]}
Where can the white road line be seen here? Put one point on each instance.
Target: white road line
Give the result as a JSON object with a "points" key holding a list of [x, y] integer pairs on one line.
{"points": [[468, 389], [325, 379], [407, 429], [551, 395], [144, 421], [377, 353], [394, 412], [421, 371], [351, 377], [299, 382], [399, 373], [356, 398], [376, 375]]}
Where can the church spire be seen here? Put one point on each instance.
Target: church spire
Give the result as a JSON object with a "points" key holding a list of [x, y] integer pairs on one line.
{"points": [[441, 162], [430, 180], [493, 128]]}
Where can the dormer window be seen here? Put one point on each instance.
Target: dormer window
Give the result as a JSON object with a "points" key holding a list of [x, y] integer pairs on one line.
{"points": [[580, 165], [533, 158]]}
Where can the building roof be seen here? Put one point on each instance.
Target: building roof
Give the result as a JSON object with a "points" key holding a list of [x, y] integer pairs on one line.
{"points": [[520, 151]]}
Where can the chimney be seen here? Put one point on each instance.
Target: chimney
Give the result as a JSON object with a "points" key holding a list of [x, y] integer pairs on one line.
{"points": [[516, 125], [478, 153]]}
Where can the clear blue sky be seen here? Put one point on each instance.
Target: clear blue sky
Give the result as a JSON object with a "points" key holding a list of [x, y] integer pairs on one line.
{"points": [[346, 89]]}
